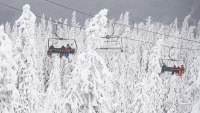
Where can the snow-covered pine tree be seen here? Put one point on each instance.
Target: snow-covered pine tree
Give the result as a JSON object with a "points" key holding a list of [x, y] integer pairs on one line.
{"points": [[133, 68], [8, 78], [144, 63], [185, 25], [89, 88], [53, 102], [119, 29], [192, 80], [17, 53], [126, 23], [47, 64], [8, 29], [140, 105], [171, 99], [196, 107], [198, 31], [87, 22], [149, 35], [65, 29], [49, 29], [175, 25], [184, 43], [14, 34], [60, 29], [155, 56], [126, 33], [154, 82], [28, 86], [43, 25], [73, 24], [41, 43]]}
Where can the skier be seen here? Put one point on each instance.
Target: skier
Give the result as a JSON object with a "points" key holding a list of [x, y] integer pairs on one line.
{"points": [[173, 69], [62, 49], [177, 70], [163, 68], [50, 50], [67, 50], [181, 70]]}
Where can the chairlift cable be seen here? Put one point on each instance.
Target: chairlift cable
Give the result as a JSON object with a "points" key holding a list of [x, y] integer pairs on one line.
{"points": [[69, 8], [118, 24], [161, 45], [123, 24]]}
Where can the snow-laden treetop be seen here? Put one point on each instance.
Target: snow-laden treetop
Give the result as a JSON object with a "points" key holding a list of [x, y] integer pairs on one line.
{"points": [[5, 42], [96, 30], [1, 29], [26, 21]]}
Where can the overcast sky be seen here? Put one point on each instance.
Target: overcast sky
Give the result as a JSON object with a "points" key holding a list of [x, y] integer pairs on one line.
{"points": [[163, 11]]}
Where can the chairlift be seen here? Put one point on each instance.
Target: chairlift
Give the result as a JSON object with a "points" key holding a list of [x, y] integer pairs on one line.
{"points": [[58, 50], [108, 40], [169, 55]]}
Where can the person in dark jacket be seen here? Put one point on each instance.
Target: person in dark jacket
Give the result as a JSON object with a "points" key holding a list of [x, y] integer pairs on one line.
{"points": [[67, 50], [163, 68], [50, 49], [181, 70], [177, 70], [62, 49]]}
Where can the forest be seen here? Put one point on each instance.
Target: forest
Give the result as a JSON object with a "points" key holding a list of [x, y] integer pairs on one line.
{"points": [[100, 82]]}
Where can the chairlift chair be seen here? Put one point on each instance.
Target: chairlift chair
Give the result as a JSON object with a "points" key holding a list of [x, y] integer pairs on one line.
{"points": [[110, 39], [169, 55], [169, 69], [58, 50]]}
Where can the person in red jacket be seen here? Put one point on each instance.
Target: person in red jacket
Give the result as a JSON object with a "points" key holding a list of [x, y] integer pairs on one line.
{"points": [[173, 69], [176, 70], [67, 50]]}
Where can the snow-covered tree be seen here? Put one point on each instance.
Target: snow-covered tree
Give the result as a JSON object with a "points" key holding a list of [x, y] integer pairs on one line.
{"points": [[65, 29], [119, 30], [26, 22], [29, 83], [88, 90], [43, 25], [8, 78], [8, 29], [155, 56], [198, 30], [74, 29], [49, 29], [185, 25]]}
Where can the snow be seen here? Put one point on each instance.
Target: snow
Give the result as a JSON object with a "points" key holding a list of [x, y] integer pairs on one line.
{"points": [[196, 108], [198, 80], [97, 82]]}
